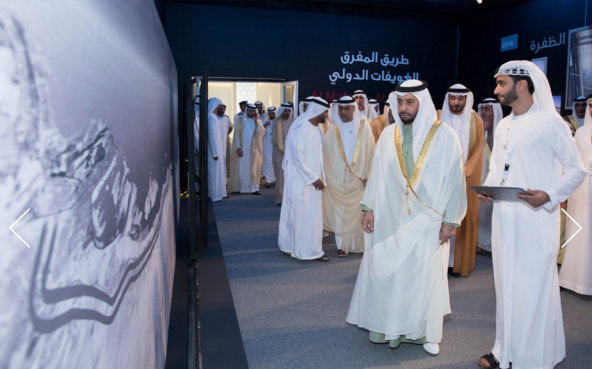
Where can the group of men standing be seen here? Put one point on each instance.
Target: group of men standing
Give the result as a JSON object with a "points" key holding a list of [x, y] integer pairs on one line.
{"points": [[345, 151], [410, 170], [257, 148]]}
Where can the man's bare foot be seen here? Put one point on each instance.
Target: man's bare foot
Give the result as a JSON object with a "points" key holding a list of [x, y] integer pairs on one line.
{"points": [[341, 253]]}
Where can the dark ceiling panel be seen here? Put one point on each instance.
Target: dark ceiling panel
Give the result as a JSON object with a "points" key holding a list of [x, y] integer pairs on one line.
{"points": [[444, 10]]}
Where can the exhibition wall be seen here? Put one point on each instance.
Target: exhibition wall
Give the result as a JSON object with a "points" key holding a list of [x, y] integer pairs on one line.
{"points": [[536, 30], [329, 54], [89, 174]]}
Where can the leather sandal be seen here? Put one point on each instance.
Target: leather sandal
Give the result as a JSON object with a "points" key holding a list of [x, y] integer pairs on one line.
{"points": [[491, 361]]}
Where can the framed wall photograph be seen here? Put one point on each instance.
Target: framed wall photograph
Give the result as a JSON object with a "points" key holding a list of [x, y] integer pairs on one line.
{"points": [[579, 64]]}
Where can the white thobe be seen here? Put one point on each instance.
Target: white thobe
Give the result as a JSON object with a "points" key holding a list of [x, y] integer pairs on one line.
{"points": [[216, 168], [349, 137], [368, 116], [529, 322], [268, 171], [402, 285], [576, 271], [484, 240], [224, 127], [301, 223], [245, 162], [238, 116], [455, 124]]}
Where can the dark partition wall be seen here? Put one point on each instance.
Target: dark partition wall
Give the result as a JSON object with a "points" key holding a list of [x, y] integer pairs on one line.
{"points": [[329, 54], [89, 155], [540, 29]]}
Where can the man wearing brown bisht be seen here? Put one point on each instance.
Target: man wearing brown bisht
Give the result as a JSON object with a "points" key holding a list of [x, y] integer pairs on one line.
{"points": [[348, 148], [383, 121], [458, 113], [279, 131]]}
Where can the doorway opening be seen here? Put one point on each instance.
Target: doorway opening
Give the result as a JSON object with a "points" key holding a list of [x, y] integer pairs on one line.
{"points": [[269, 93]]}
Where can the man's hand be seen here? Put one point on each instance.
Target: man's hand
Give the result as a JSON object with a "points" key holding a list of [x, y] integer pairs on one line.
{"points": [[485, 199], [368, 221], [267, 124], [240, 153], [364, 181], [318, 184], [564, 205], [215, 158], [537, 198], [446, 232]]}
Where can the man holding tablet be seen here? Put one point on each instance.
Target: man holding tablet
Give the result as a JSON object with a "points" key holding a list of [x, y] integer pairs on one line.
{"points": [[533, 150]]}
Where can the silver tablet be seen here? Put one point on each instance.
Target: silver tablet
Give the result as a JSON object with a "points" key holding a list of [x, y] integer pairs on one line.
{"points": [[500, 193]]}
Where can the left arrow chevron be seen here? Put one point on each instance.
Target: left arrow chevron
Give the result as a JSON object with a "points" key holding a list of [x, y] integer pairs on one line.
{"points": [[15, 224]]}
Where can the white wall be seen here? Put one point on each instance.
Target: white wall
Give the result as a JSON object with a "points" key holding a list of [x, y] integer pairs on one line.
{"points": [[268, 93]]}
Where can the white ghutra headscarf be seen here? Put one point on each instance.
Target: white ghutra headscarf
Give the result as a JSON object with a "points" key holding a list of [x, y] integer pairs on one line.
{"points": [[543, 97], [426, 115], [462, 129], [579, 99], [588, 116], [316, 107], [498, 114], [283, 107]]}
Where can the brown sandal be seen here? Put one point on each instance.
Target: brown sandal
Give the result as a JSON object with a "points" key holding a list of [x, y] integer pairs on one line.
{"points": [[491, 361], [323, 258]]}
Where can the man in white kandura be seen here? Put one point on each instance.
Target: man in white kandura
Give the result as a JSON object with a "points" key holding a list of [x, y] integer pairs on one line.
{"points": [[301, 223], [261, 111], [374, 104], [366, 113], [534, 150], [415, 198], [348, 147], [383, 121], [458, 113], [280, 127], [242, 105], [576, 119], [225, 129], [576, 271], [268, 171], [229, 126], [303, 105], [247, 150], [491, 113], [216, 170]]}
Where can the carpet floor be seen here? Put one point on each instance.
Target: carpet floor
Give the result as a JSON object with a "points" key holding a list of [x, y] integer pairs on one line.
{"points": [[292, 313]]}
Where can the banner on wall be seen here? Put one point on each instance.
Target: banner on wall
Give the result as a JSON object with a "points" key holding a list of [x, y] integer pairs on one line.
{"points": [[579, 65], [354, 70], [88, 105]]}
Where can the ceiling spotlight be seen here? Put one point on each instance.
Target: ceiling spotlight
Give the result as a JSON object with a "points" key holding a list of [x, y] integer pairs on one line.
{"points": [[479, 1]]}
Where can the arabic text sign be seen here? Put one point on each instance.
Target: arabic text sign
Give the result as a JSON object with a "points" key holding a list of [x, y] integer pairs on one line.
{"points": [[366, 76], [547, 44], [509, 42]]}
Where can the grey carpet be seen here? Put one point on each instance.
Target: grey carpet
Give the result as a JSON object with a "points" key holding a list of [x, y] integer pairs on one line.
{"points": [[292, 313]]}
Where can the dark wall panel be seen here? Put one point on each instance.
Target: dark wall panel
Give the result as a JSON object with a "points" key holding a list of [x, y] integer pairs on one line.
{"points": [[480, 41], [243, 42]]}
